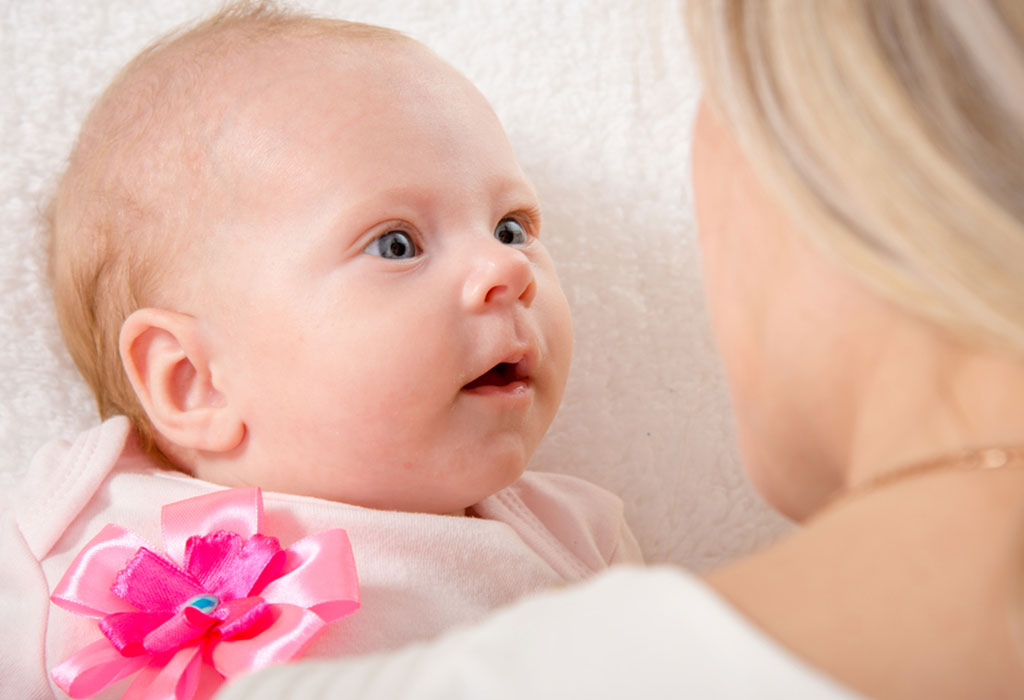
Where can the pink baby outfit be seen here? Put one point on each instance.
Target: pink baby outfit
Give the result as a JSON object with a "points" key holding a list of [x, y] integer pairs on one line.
{"points": [[419, 574]]}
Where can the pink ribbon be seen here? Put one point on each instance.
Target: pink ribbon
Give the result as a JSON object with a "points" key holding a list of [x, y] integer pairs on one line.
{"points": [[223, 599]]}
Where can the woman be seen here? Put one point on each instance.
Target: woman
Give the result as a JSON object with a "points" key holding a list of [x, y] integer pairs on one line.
{"points": [[859, 172]]}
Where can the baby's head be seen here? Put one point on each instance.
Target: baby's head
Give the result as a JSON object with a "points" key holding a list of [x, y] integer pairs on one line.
{"points": [[301, 254]]}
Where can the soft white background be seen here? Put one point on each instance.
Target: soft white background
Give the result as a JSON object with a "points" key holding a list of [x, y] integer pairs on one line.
{"points": [[598, 98]]}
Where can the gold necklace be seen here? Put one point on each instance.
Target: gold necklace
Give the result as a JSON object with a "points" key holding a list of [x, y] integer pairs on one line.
{"points": [[979, 459]]}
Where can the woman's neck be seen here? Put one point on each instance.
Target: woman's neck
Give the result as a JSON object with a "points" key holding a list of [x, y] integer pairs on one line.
{"points": [[914, 588], [927, 398]]}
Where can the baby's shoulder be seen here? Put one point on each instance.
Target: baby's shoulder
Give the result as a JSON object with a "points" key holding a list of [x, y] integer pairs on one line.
{"points": [[62, 478]]}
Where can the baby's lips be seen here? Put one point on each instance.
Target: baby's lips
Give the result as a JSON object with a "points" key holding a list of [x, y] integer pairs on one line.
{"points": [[502, 374], [516, 366], [524, 360]]}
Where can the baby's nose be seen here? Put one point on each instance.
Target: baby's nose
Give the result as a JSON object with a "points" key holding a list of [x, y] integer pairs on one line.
{"points": [[499, 274]]}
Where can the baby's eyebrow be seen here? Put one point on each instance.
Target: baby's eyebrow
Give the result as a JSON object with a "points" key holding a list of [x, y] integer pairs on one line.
{"points": [[516, 189], [387, 201], [507, 192]]}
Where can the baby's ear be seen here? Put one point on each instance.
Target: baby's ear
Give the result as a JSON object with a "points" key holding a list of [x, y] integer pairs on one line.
{"points": [[169, 369]]}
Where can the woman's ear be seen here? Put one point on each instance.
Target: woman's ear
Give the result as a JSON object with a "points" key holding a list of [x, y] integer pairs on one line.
{"points": [[169, 368]]}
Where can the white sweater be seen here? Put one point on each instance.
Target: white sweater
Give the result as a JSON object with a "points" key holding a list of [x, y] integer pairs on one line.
{"points": [[629, 633]]}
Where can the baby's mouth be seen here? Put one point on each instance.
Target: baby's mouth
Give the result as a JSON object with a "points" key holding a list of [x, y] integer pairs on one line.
{"points": [[502, 374]]}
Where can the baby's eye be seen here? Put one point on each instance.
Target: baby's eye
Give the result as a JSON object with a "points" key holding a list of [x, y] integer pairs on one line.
{"points": [[510, 232], [393, 245]]}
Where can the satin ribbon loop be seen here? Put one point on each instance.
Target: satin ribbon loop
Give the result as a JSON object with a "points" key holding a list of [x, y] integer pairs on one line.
{"points": [[235, 510], [219, 599], [126, 631], [320, 574], [93, 668], [291, 629], [228, 566], [177, 632], [240, 617], [85, 587], [152, 584]]}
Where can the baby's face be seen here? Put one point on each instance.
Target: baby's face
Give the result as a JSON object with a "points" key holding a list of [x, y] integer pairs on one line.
{"points": [[379, 306]]}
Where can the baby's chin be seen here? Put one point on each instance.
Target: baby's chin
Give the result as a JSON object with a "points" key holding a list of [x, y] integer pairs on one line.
{"points": [[454, 490]]}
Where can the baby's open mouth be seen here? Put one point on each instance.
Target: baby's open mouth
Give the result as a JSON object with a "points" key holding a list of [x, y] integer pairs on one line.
{"points": [[502, 374]]}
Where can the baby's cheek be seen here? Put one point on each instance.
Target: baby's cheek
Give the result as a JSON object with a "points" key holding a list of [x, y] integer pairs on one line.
{"points": [[561, 333]]}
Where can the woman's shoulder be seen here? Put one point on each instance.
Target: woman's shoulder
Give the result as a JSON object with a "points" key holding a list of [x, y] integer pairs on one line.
{"points": [[879, 581]]}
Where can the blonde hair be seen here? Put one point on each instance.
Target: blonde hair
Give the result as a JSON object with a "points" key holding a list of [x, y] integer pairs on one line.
{"points": [[895, 130], [115, 244]]}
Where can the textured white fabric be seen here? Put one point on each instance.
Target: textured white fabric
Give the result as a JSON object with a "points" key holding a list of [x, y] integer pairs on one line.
{"points": [[598, 98], [419, 574], [626, 634]]}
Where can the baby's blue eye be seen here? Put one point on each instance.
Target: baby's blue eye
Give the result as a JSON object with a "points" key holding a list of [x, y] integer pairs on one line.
{"points": [[510, 232], [393, 245]]}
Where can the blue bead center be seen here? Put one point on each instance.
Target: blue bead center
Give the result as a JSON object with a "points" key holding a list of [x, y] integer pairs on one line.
{"points": [[204, 603]]}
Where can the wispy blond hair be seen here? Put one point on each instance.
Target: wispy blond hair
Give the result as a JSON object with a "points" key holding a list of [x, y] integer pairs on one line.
{"points": [[895, 130], [120, 225]]}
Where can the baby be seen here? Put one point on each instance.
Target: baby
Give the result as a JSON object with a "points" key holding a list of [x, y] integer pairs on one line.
{"points": [[299, 254]]}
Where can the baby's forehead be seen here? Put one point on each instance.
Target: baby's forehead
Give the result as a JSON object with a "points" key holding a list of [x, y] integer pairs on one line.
{"points": [[203, 100], [276, 84], [306, 71], [274, 55], [291, 94], [202, 73]]}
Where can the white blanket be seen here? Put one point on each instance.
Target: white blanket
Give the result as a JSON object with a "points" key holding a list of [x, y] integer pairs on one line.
{"points": [[598, 98]]}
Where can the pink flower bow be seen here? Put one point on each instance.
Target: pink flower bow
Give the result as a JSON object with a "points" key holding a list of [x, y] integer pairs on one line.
{"points": [[235, 603]]}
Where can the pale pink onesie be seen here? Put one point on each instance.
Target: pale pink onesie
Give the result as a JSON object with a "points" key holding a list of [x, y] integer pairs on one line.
{"points": [[419, 574]]}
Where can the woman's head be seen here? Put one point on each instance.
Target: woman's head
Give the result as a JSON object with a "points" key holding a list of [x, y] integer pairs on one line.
{"points": [[891, 138]]}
